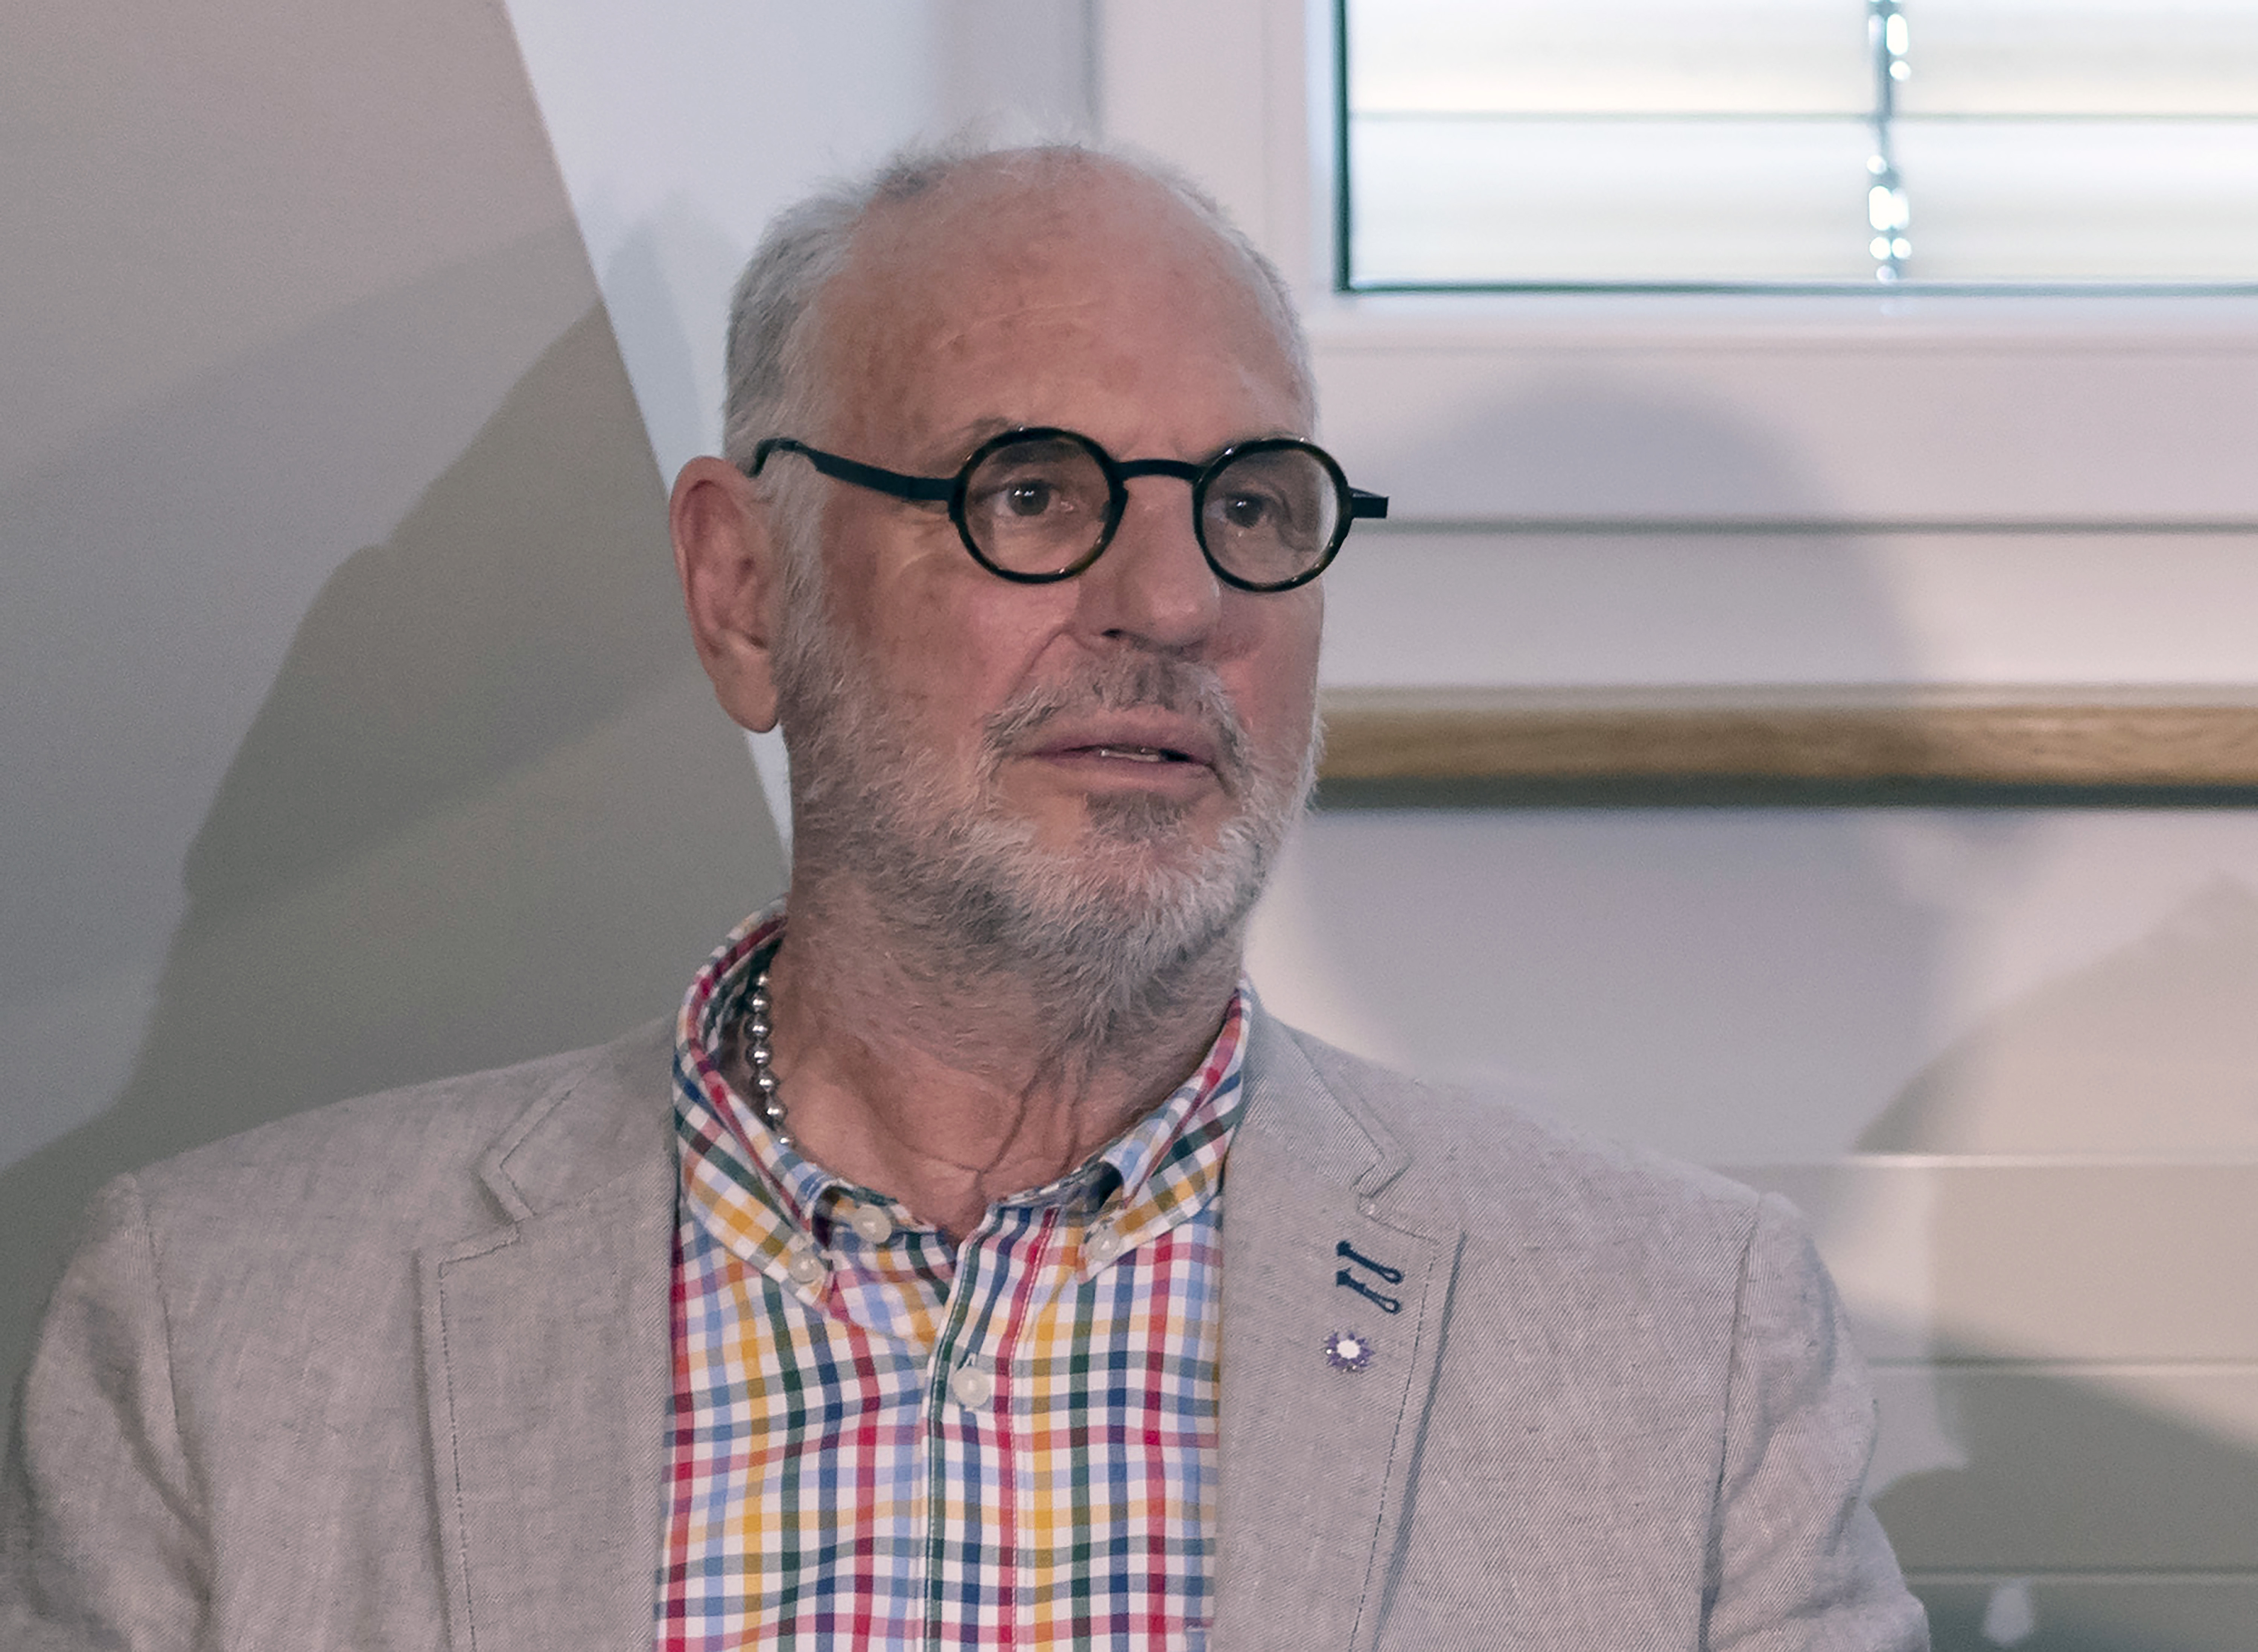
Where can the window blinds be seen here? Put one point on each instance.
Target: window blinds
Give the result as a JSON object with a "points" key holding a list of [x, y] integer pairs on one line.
{"points": [[1694, 143]]}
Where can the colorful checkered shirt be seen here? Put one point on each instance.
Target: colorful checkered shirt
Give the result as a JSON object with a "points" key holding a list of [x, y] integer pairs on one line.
{"points": [[879, 1440]]}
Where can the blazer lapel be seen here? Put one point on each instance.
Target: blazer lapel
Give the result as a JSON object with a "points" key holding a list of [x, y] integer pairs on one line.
{"points": [[1318, 1441], [547, 1359]]}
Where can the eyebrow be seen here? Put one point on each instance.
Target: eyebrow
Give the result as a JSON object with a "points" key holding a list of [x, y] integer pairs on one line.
{"points": [[961, 442]]}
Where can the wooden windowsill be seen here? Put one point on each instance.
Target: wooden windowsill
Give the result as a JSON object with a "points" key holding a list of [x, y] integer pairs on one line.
{"points": [[2148, 737]]}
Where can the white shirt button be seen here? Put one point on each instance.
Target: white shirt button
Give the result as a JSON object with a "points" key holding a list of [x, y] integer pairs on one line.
{"points": [[804, 1269], [874, 1224], [1104, 1244], [971, 1386]]}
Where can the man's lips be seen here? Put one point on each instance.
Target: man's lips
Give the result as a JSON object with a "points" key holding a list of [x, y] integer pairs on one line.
{"points": [[1136, 753], [1154, 742]]}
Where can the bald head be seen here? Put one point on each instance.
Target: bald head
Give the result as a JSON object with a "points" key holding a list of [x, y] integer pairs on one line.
{"points": [[836, 276]]}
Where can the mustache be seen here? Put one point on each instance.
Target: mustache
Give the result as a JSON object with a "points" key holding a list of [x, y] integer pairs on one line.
{"points": [[1179, 687]]}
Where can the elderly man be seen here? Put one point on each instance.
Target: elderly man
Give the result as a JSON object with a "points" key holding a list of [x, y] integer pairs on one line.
{"points": [[989, 1271]]}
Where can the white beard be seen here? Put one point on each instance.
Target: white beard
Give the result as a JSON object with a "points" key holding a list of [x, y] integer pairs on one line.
{"points": [[1104, 936]]}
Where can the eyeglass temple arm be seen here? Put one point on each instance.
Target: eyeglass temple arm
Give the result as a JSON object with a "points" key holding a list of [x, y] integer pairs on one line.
{"points": [[1371, 506], [845, 470]]}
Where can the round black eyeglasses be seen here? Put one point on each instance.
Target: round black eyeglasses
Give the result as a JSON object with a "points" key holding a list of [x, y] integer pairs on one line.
{"points": [[1039, 505]]}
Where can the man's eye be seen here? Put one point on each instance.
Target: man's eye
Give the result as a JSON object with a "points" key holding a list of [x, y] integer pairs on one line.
{"points": [[1248, 511], [1027, 498]]}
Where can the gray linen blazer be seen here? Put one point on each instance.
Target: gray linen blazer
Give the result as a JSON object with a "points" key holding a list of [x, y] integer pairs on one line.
{"points": [[394, 1375]]}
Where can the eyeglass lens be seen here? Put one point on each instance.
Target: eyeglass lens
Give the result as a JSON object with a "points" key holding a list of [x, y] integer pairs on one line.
{"points": [[1039, 507], [1269, 516]]}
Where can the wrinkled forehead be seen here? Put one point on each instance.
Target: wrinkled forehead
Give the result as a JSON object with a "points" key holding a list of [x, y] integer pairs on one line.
{"points": [[1074, 249]]}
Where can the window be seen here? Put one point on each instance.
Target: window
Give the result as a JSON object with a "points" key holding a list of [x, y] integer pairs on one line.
{"points": [[1799, 143]]}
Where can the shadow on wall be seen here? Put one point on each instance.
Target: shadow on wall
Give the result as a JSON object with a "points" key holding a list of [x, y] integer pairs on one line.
{"points": [[488, 809], [2062, 1475], [1964, 1620], [2152, 1053], [2152, 1050], [2064, 1213]]}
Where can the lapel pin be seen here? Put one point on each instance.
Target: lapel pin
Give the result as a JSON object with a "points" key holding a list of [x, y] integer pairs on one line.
{"points": [[1348, 1281], [1393, 1275], [1345, 1350]]}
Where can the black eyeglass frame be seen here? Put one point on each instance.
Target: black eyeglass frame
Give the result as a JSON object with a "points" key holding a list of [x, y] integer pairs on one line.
{"points": [[954, 490]]}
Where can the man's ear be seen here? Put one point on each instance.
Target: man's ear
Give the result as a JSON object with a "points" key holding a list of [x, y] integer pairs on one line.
{"points": [[726, 554]]}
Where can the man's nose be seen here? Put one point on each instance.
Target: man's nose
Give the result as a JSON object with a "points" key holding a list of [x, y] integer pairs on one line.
{"points": [[1154, 583]]}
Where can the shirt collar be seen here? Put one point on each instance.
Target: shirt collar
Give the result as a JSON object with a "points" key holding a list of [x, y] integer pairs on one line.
{"points": [[765, 1200]]}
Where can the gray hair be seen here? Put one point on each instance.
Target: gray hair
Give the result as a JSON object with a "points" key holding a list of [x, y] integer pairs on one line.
{"points": [[771, 390]]}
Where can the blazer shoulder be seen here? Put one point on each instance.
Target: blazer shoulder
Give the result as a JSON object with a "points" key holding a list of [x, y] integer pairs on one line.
{"points": [[411, 1158], [1481, 1152]]}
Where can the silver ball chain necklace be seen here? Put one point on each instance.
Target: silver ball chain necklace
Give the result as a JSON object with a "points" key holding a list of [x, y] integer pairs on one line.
{"points": [[761, 1057]]}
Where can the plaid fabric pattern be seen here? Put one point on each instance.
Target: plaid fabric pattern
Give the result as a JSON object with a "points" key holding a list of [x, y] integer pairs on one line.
{"points": [[878, 1440]]}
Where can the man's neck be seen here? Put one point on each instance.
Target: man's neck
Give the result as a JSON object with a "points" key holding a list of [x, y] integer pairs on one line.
{"points": [[948, 1092]]}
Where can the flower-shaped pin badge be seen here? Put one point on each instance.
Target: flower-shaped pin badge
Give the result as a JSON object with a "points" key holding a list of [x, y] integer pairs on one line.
{"points": [[1345, 1350]]}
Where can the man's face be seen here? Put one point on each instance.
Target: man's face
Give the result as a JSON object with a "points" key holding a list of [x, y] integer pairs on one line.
{"points": [[1132, 740]]}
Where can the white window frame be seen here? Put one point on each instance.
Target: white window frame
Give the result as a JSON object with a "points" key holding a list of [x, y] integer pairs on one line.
{"points": [[1897, 407]]}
